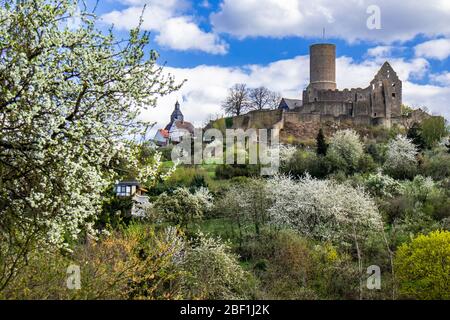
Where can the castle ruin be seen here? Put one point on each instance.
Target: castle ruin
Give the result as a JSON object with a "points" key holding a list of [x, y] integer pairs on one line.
{"points": [[378, 104], [323, 105]]}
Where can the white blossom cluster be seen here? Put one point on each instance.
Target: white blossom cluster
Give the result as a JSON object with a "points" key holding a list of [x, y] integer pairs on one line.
{"points": [[286, 152], [383, 185], [346, 148], [401, 155], [322, 209]]}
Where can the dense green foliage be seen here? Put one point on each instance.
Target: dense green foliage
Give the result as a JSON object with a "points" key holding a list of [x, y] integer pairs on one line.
{"points": [[423, 266]]}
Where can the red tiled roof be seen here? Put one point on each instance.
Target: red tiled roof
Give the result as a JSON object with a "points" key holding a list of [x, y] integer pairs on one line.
{"points": [[164, 133]]}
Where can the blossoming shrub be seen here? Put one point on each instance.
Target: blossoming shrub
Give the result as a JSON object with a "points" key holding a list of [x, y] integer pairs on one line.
{"points": [[345, 151], [245, 202], [183, 207], [382, 185], [423, 266], [322, 209], [401, 161]]}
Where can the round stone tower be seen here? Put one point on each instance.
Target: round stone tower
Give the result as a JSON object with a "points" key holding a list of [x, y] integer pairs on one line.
{"points": [[323, 66]]}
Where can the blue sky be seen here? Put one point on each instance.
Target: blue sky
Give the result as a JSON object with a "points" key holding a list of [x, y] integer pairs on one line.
{"points": [[216, 43]]}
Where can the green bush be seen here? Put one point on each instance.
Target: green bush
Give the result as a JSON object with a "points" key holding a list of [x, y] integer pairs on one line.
{"points": [[227, 171], [433, 130], [138, 264], [377, 152], [423, 267], [292, 267], [166, 153], [303, 162], [184, 177], [213, 272], [228, 123], [366, 164], [436, 166]]}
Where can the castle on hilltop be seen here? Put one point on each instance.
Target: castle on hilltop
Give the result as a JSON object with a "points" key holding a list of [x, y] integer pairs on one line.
{"points": [[378, 104], [322, 105]]}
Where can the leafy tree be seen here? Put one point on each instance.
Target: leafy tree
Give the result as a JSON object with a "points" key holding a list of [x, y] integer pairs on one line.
{"points": [[322, 146], [237, 101], [69, 95], [262, 98], [415, 134], [433, 130], [401, 161], [345, 150], [423, 267]]}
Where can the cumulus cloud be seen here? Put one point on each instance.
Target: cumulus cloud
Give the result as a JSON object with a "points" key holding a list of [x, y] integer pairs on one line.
{"points": [[442, 79], [434, 49], [207, 86], [176, 30], [380, 51], [344, 19], [183, 34]]}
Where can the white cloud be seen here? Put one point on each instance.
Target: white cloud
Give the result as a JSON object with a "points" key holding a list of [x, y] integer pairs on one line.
{"points": [[182, 34], [380, 51], [435, 98], [345, 19], [434, 49], [442, 79], [207, 86], [175, 29]]}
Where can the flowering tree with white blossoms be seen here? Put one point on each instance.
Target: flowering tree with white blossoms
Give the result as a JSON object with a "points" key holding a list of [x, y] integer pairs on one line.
{"points": [[324, 210], [345, 150], [321, 209], [401, 158], [68, 94]]}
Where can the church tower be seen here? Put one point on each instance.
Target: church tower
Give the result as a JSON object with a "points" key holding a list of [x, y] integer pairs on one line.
{"points": [[177, 115]]}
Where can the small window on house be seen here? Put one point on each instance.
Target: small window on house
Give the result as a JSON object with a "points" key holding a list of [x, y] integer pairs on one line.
{"points": [[393, 95], [375, 114]]}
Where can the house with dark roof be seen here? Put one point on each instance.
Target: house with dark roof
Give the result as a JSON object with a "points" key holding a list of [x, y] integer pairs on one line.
{"points": [[134, 190], [175, 129], [290, 104]]}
